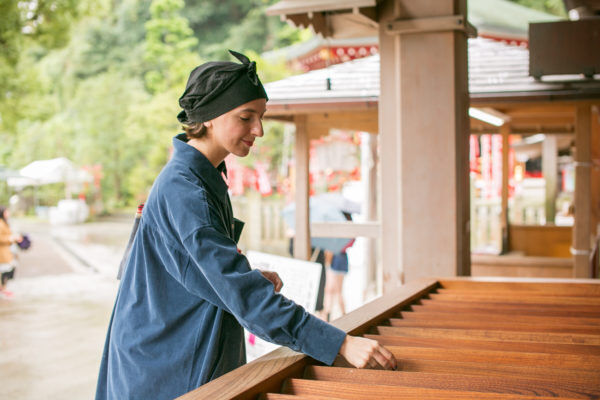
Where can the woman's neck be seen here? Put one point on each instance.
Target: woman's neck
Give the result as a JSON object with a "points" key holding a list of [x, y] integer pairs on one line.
{"points": [[209, 151]]}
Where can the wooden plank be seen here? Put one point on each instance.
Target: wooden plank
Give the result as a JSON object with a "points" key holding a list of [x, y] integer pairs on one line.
{"points": [[494, 325], [511, 293], [499, 370], [562, 361], [281, 396], [521, 299], [529, 309], [540, 337], [558, 287], [530, 347], [576, 308], [519, 386], [570, 320], [351, 391], [363, 318]]}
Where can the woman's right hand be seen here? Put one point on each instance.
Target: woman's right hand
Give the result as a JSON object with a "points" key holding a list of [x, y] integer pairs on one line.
{"points": [[366, 353]]}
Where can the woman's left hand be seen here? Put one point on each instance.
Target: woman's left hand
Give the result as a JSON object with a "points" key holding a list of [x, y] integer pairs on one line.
{"points": [[274, 278]]}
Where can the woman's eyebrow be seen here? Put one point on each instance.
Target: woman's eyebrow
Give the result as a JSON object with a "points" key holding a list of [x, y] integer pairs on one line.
{"points": [[252, 110]]}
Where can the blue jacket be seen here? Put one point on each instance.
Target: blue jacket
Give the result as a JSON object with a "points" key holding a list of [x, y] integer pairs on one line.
{"points": [[186, 292]]}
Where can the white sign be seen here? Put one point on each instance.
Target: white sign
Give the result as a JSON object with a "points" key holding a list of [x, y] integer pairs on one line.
{"points": [[300, 284]]}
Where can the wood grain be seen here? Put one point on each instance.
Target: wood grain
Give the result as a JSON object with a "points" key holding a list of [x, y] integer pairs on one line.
{"points": [[480, 334], [512, 385], [530, 347], [459, 338], [358, 391]]}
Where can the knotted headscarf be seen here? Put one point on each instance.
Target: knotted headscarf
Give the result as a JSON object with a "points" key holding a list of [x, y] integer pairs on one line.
{"points": [[216, 87]]}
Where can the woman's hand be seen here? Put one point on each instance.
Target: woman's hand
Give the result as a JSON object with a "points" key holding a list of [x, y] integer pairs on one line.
{"points": [[274, 278], [366, 353], [16, 238]]}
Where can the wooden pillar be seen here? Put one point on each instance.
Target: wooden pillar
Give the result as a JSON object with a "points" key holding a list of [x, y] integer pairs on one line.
{"points": [[369, 178], [582, 228], [550, 173], [505, 132], [424, 131], [595, 178], [302, 236]]}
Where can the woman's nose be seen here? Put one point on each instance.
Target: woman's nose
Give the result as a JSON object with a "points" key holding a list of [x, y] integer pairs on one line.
{"points": [[257, 129]]}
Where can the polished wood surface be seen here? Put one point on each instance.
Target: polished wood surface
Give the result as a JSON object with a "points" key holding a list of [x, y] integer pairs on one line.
{"points": [[461, 338]]}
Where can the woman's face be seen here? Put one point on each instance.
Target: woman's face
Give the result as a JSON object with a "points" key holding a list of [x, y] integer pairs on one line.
{"points": [[235, 131]]}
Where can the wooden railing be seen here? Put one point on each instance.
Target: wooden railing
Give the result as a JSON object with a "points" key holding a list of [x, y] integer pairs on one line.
{"points": [[454, 339]]}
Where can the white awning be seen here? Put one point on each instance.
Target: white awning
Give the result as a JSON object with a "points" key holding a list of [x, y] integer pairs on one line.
{"points": [[350, 18], [289, 7]]}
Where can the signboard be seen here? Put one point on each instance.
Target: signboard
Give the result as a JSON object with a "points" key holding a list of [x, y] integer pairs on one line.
{"points": [[300, 284]]}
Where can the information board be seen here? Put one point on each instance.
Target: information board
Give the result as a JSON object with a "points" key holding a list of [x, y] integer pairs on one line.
{"points": [[300, 284]]}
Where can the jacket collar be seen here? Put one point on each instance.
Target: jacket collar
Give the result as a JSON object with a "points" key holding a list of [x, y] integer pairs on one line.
{"points": [[199, 164]]}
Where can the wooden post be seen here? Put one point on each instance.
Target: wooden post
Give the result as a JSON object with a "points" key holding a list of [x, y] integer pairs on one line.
{"points": [[550, 173], [424, 130], [595, 184], [302, 236], [505, 132], [369, 178], [582, 228]]}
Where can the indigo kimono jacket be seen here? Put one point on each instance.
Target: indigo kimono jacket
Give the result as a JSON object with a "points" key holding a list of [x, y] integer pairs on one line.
{"points": [[186, 292]]}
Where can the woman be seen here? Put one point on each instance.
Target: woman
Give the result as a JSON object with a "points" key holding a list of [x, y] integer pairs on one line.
{"points": [[7, 262], [186, 292]]}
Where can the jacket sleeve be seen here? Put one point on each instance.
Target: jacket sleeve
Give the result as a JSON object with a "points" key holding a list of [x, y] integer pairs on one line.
{"points": [[251, 298], [5, 235]]}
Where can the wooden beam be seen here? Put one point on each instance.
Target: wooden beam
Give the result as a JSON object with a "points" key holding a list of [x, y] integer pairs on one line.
{"points": [[583, 163], [302, 227], [365, 121], [345, 229], [552, 120]]}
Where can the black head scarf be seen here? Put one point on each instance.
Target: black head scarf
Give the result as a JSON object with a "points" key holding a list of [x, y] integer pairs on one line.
{"points": [[216, 87]]}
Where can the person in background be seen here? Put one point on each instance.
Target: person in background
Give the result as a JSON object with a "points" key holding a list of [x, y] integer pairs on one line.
{"points": [[186, 291], [319, 256], [336, 272], [7, 261]]}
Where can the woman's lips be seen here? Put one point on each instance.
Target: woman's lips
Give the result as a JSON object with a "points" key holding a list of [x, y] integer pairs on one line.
{"points": [[248, 143]]}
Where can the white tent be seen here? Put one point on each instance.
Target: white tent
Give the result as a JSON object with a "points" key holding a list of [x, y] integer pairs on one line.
{"points": [[43, 172]]}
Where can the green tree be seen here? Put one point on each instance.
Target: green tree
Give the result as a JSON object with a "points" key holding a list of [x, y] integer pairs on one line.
{"points": [[168, 39], [556, 7]]}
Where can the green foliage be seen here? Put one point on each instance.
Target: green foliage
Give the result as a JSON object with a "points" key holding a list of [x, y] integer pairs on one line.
{"points": [[556, 7], [97, 81], [168, 37]]}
